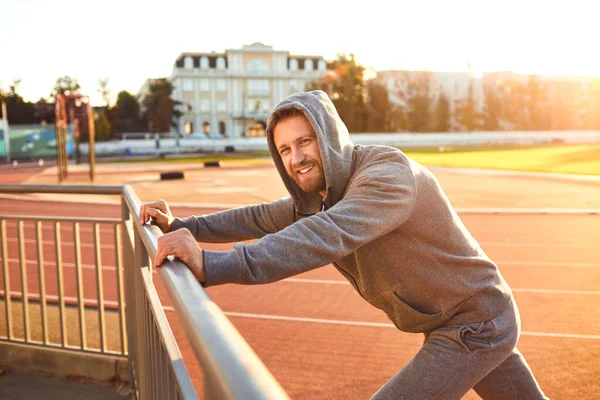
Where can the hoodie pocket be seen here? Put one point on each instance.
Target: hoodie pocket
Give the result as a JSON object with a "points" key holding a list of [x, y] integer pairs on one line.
{"points": [[405, 317]]}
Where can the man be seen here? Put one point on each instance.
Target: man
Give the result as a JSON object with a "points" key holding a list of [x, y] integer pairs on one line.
{"points": [[384, 222]]}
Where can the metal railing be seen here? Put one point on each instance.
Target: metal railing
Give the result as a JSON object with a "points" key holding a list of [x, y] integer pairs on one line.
{"points": [[231, 368]]}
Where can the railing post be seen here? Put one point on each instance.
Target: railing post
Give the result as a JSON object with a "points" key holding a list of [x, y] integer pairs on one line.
{"points": [[130, 295], [141, 339]]}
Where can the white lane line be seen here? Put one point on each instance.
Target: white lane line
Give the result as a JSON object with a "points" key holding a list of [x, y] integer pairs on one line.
{"points": [[65, 264], [379, 324], [529, 211], [94, 302], [523, 290], [66, 226], [544, 245], [88, 302], [557, 291], [321, 281], [64, 243], [561, 335], [546, 264]]}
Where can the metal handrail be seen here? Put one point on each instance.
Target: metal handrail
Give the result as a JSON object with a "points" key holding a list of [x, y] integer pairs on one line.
{"points": [[232, 369]]}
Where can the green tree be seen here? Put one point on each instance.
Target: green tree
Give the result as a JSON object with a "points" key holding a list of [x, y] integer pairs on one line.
{"points": [[442, 113], [128, 105], [347, 90], [65, 85], [102, 127], [467, 114], [414, 91], [492, 108], [161, 109], [379, 107], [18, 110]]}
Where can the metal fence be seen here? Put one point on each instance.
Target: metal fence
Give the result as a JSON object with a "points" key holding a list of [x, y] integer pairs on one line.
{"points": [[231, 368]]}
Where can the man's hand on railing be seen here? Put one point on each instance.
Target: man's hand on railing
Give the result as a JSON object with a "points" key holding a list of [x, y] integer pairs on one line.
{"points": [[160, 213], [182, 245]]}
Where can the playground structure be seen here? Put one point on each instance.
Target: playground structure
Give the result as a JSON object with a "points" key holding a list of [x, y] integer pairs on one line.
{"points": [[62, 101]]}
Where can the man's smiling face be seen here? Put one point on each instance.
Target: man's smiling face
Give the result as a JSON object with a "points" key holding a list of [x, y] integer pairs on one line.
{"points": [[297, 145]]}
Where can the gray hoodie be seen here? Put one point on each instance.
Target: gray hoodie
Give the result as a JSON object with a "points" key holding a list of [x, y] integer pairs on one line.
{"points": [[385, 224]]}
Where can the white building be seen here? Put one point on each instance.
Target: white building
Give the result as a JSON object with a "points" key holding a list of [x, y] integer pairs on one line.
{"points": [[233, 93]]}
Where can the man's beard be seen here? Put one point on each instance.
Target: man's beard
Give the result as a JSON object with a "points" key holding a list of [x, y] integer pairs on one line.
{"points": [[310, 184]]}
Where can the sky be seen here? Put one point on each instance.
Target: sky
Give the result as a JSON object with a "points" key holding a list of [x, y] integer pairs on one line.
{"points": [[128, 41]]}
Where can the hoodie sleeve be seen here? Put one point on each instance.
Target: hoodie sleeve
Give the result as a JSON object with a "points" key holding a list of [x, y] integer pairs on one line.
{"points": [[243, 223], [378, 199]]}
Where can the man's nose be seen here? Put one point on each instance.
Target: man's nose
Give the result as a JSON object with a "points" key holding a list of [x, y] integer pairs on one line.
{"points": [[297, 157]]}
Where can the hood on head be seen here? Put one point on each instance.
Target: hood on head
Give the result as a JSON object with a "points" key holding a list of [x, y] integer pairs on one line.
{"points": [[335, 148]]}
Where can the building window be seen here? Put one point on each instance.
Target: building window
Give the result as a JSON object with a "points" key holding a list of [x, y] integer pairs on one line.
{"points": [[204, 105], [254, 105], [204, 85], [322, 65], [258, 66], [188, 62], [294, 64], [188, 86], [204, 63], [265, 105], [206, 127], [221, 85], [222, 129], [220, 63], [308, 65], [258, 87], [222, 105]]}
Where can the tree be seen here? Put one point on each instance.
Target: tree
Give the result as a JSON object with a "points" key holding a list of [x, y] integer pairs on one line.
{"points": [[442, 113], [467, 113], [104, 91], [592, 107], [102, 127], [380, 108], [346, 88], [19, 111], [414, 90], [492, 109], [65, 85], [161, 110], [128, 105]]}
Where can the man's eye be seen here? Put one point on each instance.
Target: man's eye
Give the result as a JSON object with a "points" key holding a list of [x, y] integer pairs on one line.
{"points": [[283, 151]]}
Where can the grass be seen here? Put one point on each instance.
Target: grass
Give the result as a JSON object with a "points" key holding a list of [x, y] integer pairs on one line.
{"points": [[568, 159]]}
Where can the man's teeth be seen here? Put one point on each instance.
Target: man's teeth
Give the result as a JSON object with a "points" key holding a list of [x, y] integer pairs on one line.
{"points": [[305, 170]]}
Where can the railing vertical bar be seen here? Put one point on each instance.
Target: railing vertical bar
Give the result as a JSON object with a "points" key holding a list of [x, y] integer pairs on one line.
{"points": [[156, 351], [100, 288], [140, 261], [120, 289], [59, 284], [42, 279], [146, 330], [24, 291], [79, 278], [164, 373], [6, 275], [131, 304]]}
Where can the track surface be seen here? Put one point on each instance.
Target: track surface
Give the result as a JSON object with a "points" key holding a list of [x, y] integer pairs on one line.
{"points": [[316, 335]]}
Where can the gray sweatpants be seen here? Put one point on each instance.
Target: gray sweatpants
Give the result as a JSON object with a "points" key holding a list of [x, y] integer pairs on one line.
{"points": [[456, 358]]}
